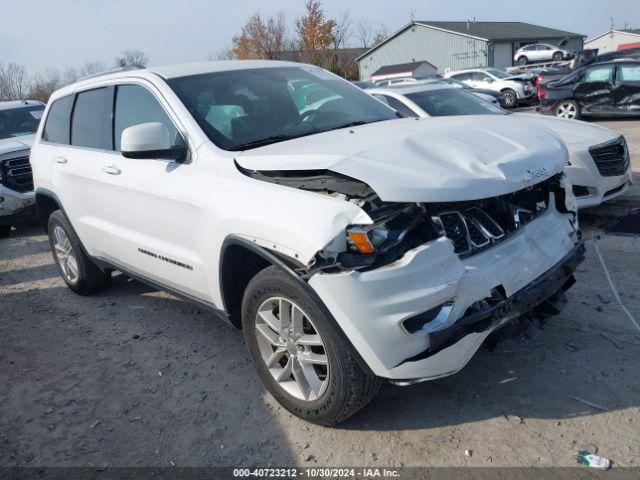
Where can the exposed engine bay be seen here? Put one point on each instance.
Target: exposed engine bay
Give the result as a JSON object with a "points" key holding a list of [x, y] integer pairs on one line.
{"points": [[471, 226]]}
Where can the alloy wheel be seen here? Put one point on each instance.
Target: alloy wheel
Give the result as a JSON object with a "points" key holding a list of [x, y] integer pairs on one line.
{"points": [[567, 110], [292, 348], [65, 255], [510, 99]]}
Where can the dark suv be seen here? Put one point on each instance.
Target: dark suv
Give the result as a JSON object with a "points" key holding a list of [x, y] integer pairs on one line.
{"points": [[600, 89]]}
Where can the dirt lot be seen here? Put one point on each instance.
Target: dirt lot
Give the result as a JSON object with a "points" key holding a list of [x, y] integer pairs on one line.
{"points": [[136, 377]]}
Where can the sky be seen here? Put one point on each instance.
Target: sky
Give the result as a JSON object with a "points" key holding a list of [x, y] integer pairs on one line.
{"points": [[67, 33]]}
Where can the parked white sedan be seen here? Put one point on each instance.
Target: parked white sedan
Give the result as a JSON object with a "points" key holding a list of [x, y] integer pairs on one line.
{"points": [[599, 165], [517, 89]]}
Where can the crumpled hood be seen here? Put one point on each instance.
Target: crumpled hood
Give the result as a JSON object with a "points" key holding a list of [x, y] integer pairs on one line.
{"points": [[14, 144], [573, 132], [426, 160]]}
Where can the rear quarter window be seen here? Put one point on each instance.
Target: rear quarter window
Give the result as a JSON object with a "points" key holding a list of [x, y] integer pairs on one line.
{"points": [[56, 128]]}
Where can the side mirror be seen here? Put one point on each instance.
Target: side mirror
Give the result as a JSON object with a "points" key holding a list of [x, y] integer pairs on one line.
{"points": [[150, 140], [490, 80]]}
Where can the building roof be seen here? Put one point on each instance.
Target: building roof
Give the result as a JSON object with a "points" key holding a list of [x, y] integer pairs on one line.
{"points": [[501, 30], [635, 31], [347, 54], [401, 68], [489, 31]]}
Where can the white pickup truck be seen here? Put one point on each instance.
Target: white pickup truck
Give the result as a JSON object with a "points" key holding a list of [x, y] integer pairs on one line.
{"points": [[18, 123]]}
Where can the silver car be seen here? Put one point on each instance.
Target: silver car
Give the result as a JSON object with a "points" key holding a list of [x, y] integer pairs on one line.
{"points": [[540, 52]]}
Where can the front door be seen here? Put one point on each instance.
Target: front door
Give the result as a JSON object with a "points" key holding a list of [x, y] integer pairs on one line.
{"points": [[150, 208], [627, 89], [594, 91]]}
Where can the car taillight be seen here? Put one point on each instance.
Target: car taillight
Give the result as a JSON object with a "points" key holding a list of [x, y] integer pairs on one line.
{"points": [[538, 82]]}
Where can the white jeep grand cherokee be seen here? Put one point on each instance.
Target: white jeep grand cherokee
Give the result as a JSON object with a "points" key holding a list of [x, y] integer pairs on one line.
{"points": [[349, 245]]}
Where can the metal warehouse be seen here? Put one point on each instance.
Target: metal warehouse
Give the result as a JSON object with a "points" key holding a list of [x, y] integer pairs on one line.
{"points": [[457, 45]]}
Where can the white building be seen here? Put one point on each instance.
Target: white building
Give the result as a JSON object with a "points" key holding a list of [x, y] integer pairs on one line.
{"points": [[456, 45], [614, 40], [416, 70]]}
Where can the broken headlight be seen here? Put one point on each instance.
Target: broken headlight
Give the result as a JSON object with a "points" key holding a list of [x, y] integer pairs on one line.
{"points": [[391, 227]]}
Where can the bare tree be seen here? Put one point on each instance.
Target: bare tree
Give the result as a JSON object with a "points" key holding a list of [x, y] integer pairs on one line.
{"points": [[342, 30], [261, 37], [45, 83], [72, 75], [132, 57], [13, 81], [225, 53], [381, 35], [364, 33]]}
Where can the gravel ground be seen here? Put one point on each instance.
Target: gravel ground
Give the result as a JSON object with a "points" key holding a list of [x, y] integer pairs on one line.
{"points": [[136, 377]]}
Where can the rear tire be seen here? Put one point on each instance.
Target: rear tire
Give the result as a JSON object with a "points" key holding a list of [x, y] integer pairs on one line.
{"points": [[5, 231], [522, 60], [76, 268], [568, 109], [510, 98], [337, 389]]}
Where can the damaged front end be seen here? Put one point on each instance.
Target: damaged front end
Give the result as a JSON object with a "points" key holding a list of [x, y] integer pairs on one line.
{"points": [[470, 226], [420, 287], [396, 227]]}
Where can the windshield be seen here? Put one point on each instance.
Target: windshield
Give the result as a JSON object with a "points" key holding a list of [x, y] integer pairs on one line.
{"points": [[497, 73], [452, 101], [16, 122], [244, 109]]}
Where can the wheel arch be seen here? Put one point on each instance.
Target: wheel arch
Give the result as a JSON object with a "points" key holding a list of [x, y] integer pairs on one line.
{"points": [[47, 202], [240, 261]]}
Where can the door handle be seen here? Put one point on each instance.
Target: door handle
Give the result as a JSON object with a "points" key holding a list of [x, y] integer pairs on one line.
{"points": [[60, 159], [111, 170]]}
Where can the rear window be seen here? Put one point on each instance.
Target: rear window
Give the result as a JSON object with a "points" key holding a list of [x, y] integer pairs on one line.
{"points": [[91, 122], [56, 128], [451, 102]]}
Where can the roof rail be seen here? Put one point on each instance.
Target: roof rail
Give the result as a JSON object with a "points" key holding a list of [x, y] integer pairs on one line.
{"points": [[112, 70]]}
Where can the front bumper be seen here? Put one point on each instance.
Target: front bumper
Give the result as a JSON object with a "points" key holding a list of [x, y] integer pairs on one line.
{"points": [[591, 188], [17, 208], [370, 306]]}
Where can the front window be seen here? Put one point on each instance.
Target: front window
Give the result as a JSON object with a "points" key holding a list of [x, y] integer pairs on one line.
{"points": [[244, 109], [451, 101], [497, 73], [16, 122], [598, 74]]}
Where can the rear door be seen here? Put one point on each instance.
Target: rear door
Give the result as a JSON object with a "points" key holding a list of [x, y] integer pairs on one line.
{"points": [[544, 52], [594, 90], [627, 89], [77, 166]]}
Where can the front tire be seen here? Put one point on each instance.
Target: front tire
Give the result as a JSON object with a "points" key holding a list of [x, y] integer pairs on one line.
{"points": [[5, 231], [76, 268], [568, 109], [300, 355], [510, 98], [558, 56], [523, 60]]}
